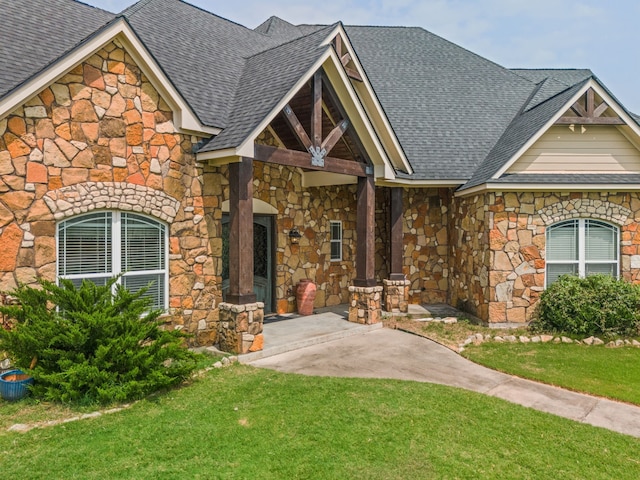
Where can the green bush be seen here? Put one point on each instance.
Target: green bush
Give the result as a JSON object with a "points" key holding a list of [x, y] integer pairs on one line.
{"points": [[92, 343], [595, 305]]}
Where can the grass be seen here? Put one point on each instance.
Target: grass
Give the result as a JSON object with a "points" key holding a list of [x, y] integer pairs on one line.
{"points": [[606, 372], [242, 422], [449, 334]]}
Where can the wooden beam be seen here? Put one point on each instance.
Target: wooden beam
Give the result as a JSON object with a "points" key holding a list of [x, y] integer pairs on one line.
{"points": [[601, 109], [396, 212], [294, 158], [338, 44], [335, 135], [297, 127], [351, 73], [241, 233], [316, 110], [581, 112], [333, 96], [590, 121], [590, 102], [346, 58], [365, 229]]}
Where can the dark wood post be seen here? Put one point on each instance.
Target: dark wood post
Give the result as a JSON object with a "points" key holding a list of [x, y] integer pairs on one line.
{"points": [[396, 212], [241, 233], [365, 228]]}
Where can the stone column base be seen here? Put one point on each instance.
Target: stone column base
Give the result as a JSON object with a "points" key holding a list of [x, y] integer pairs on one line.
{"points": [[365, 305], [396, 295], [240, 327]]}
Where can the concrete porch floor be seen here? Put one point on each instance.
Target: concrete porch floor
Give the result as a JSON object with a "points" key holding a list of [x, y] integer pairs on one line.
{"points": [[287, 332], [284, 333]]}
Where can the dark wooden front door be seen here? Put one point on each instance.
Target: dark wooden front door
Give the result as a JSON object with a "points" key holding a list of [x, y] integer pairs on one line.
{"points": [[263, 255]]}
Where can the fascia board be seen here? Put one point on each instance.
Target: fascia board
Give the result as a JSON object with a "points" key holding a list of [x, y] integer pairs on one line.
{"points": [[370, 93], [548, 187]]}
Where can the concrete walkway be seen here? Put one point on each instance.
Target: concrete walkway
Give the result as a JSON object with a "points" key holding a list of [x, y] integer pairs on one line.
{"points": [[385, 353]]}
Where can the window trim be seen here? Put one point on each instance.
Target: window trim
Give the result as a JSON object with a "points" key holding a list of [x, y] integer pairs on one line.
{"points": [[116, 250], [335, 240], [581, 262]]}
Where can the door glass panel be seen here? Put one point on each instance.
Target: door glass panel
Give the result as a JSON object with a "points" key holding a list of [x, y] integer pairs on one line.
{"points": [[260, 251]]}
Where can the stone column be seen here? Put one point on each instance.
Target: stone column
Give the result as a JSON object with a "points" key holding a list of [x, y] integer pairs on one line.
{"points": [[240, 327], [396, 288], [396, 295], [365, 305]]}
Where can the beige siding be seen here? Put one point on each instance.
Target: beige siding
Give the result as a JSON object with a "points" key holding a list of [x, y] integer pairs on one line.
{"points": [[598, 149]]}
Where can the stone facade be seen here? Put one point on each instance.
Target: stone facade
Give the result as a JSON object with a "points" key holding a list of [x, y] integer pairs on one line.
{"points": [[395, 295], [308, 209], [365, 305], [101, 137], [499, 253], [426, 244], [240, 327]]}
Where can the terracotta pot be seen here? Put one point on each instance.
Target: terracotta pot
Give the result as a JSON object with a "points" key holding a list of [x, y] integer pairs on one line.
{"points": [[305, 295]]}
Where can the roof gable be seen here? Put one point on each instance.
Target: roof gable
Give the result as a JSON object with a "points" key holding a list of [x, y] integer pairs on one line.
{"points": [[530, 125]]}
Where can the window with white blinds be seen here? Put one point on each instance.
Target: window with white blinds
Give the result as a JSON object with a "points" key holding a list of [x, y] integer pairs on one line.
{"points": [[100, 245], [581, 247]]}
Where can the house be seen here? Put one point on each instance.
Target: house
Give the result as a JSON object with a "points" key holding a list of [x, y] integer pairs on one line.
{"points": [[225, 164]]}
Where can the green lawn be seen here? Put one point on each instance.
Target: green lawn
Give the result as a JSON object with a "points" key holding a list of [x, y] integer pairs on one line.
{"points": [[606, 372], [245, 423]]}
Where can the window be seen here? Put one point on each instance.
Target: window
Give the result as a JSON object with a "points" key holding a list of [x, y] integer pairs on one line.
{"points": [[100, 245], [336, 240], [581, 247]]}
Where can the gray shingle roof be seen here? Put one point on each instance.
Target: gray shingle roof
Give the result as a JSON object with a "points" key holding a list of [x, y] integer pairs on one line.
{"points": [[447, 106], [35, 33], [203, 54], [457, 115], [266, 79], [567, 76], [577, 178], [523, 127]]}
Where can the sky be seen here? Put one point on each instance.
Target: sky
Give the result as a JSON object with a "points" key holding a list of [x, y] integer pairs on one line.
{"points": [[596, 34]]}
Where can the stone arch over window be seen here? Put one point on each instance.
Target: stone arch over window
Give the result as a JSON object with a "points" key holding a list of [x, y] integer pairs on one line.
{"points": [[584, 208], [85, 197]]}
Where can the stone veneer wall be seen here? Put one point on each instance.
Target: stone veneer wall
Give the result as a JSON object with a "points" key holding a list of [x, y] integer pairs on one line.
{"points": [[100, 137], [308, 209], [515, 251], [469, 255], [426, 244]]}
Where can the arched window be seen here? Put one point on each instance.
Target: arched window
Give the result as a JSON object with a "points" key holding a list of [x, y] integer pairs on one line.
{"points": [[100, 245], [581, 247]]}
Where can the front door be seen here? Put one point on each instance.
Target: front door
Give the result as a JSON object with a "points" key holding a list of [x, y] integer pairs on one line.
{"points": [[263, 253]]}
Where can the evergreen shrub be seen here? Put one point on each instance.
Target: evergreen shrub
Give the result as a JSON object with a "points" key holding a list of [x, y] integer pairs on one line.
{"points": [[92, 343], [595, 305]]}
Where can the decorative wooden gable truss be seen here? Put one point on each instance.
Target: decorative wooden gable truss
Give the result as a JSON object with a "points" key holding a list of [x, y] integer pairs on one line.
{"points": [[301, 126], [586, 112]]}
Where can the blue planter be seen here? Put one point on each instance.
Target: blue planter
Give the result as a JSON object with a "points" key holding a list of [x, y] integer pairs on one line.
{"points": [[14, 385]]}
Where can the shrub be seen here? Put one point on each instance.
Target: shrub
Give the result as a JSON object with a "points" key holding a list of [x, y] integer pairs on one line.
{"points": [[92, 343], [595, 305]]}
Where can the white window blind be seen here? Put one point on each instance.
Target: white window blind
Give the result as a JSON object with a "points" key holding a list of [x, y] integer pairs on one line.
{"points": [[100, 245], [581, 247]]}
